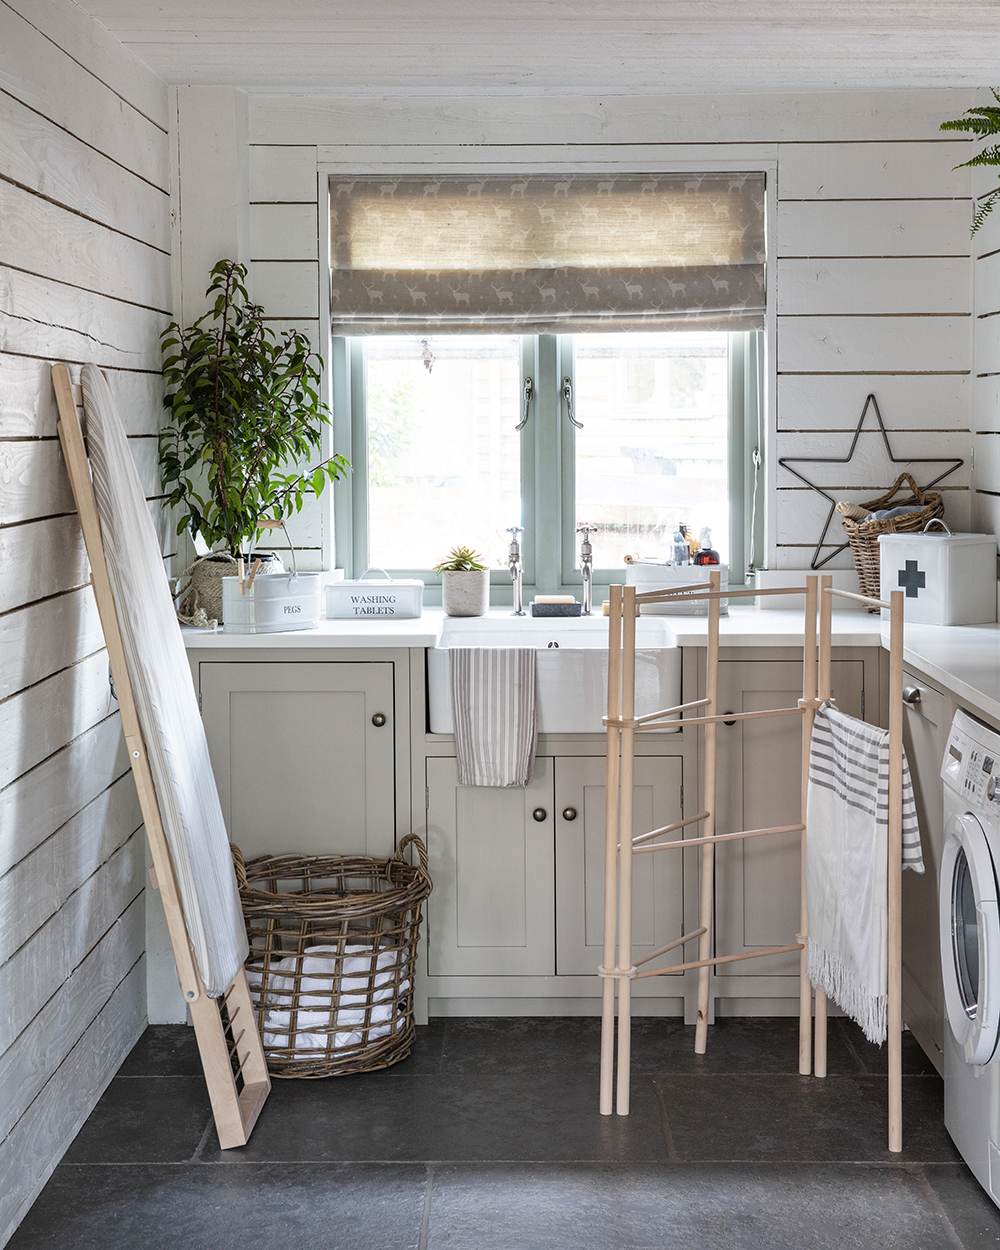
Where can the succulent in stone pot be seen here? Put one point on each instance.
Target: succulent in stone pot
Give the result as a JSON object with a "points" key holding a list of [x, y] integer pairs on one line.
{"points": [[465, 583]]}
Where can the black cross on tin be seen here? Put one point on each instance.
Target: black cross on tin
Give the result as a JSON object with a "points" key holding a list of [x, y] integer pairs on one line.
{"points": [[912, 578]]}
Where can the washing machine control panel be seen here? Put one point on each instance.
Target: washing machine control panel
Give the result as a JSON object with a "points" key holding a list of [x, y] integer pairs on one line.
{"points": [[971, 764]]}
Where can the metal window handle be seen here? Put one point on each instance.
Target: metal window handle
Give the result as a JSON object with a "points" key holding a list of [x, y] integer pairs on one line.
{"points": [[378, 720], [569, 813], [528, 395], [911, 695], [567, 394], [539, 814]]}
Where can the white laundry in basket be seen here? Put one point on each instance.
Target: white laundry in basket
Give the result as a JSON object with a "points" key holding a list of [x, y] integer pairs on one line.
{"points": [[319, 967]]}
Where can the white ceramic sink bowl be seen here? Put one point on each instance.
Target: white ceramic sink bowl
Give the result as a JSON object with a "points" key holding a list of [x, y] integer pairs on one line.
{"points": [[572, 668]]}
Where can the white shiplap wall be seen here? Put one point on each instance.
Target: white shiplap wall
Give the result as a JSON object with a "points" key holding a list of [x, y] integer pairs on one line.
{"points": [[871, 278], [986, 355], [84, 275]]}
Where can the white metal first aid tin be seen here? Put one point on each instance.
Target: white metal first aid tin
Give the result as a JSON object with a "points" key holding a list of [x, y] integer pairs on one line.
{"points": [[947, 579], [384, 600]]}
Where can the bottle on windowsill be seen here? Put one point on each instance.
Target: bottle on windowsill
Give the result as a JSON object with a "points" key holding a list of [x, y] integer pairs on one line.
{"points": [[679, 547], [706, 554]]}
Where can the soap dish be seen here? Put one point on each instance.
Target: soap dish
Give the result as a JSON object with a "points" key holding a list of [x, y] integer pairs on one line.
{"points": [[556, 609]]}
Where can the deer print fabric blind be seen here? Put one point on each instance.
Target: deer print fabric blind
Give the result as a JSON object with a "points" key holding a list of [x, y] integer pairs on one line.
{"points": [[535, 254]]}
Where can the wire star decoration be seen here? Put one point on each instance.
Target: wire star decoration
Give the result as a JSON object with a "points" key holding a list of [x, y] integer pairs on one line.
{"points": [[953, 462]]}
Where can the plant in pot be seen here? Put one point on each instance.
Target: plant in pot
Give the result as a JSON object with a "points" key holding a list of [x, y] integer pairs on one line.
{"points": [[245, 414], [465, 583]]}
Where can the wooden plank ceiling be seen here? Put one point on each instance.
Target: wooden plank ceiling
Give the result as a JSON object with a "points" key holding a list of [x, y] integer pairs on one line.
{"points": [[524, 47]]}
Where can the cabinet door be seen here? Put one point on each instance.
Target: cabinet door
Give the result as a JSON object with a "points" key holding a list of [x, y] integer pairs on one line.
{"points": [[759, 786], [299, 764], [925, 737], [657, 879], [492, 910]]}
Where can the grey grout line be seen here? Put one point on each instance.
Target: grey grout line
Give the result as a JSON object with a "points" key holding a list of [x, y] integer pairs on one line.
{"points": [[846, 1038], [932, 1197], [196, 1157], [668, 1137], [425, 1219]]}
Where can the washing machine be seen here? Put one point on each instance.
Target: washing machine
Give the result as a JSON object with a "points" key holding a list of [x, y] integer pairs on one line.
{"points": [[970, 945]]}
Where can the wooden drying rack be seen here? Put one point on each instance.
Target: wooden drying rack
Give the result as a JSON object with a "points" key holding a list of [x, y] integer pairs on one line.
{"points": [[228, 1041], [621, 845]]}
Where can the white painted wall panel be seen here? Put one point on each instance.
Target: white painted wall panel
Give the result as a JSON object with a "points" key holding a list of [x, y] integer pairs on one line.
{"points": [[283, 232], [45, 637], [282, 175], [288, 289], [879, 228], [103, 331], [906, 401], [41, 559], [27, 401], [874, 285], [46, 77], [874, 344], [873, 171], [986, 403], [818, 117], [46, 796]]}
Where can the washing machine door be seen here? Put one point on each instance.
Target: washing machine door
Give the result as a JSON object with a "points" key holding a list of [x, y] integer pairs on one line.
{"points": [[970, 939]]}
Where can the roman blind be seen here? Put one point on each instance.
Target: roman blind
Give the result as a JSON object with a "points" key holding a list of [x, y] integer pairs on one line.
{"points": [[532, 254]]}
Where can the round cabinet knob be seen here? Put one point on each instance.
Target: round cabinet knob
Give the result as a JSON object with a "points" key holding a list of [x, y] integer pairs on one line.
{"points": [[378, 720], [728, 722], [991, 788], [911, 695], [569, 813], [539, 814]]}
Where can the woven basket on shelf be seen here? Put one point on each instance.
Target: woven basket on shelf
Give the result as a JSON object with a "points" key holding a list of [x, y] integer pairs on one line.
{"points": [[863, 535], [348, 1007]]}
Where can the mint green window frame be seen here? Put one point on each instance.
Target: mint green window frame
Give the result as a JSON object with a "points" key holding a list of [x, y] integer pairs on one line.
{"points": [[550, 545]]}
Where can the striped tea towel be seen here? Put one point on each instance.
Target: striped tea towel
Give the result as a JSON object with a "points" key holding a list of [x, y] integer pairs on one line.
{"points": [[847, 817], [496, 720]]}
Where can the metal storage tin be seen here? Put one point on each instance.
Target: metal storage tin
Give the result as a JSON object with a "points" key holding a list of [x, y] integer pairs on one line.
{"points": [[384, 600], [949, 579], [274, 603]]}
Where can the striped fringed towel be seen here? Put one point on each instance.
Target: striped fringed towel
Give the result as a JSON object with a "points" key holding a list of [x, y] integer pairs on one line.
{"points": [[847, 817], [496, 721]]}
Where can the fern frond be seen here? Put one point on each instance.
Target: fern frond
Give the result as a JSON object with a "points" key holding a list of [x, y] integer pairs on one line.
{"points": [[984, 209], [977, 125], [988, 156]]}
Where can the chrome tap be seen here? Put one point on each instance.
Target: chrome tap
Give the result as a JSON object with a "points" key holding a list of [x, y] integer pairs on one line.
{"points": [[587, 568], [514, 564]]}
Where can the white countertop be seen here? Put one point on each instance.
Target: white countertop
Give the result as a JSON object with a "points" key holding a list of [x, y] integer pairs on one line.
{"points": [[743, 627], [965, 659]]}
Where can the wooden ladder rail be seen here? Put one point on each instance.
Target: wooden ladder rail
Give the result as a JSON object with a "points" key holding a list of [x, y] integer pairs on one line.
{"points": [[621, 846], [224, 1025]]}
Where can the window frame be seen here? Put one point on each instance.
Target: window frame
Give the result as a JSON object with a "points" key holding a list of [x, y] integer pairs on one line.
{"points": [[550, 550]]}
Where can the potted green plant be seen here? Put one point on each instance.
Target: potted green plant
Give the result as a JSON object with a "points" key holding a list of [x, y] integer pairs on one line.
{"points": [[465, 583], [245, 415]]}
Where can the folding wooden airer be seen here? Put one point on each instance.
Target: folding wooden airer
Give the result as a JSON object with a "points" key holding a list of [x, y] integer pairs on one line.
{"points": [[621, 845], [230, 1046]]}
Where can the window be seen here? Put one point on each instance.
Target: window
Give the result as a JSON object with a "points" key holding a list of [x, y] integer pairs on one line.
{"points": [[438, 459], [548, 351]]}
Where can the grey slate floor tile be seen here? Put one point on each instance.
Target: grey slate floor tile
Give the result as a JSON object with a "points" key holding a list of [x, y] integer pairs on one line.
{"points": [[702, 1207], [764, 1118], [463, 1117], [145, 1120], [154, 1207]]}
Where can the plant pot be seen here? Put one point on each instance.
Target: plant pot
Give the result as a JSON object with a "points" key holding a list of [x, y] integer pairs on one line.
{"points": [[465, 592]]}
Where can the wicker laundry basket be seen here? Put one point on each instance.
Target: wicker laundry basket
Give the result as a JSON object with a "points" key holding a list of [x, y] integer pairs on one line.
{"points": [[333, 943], [863, 536]]}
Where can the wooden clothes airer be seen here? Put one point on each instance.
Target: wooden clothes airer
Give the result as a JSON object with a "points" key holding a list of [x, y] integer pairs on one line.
{"points": [[228, 1040], [621, 845]]}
